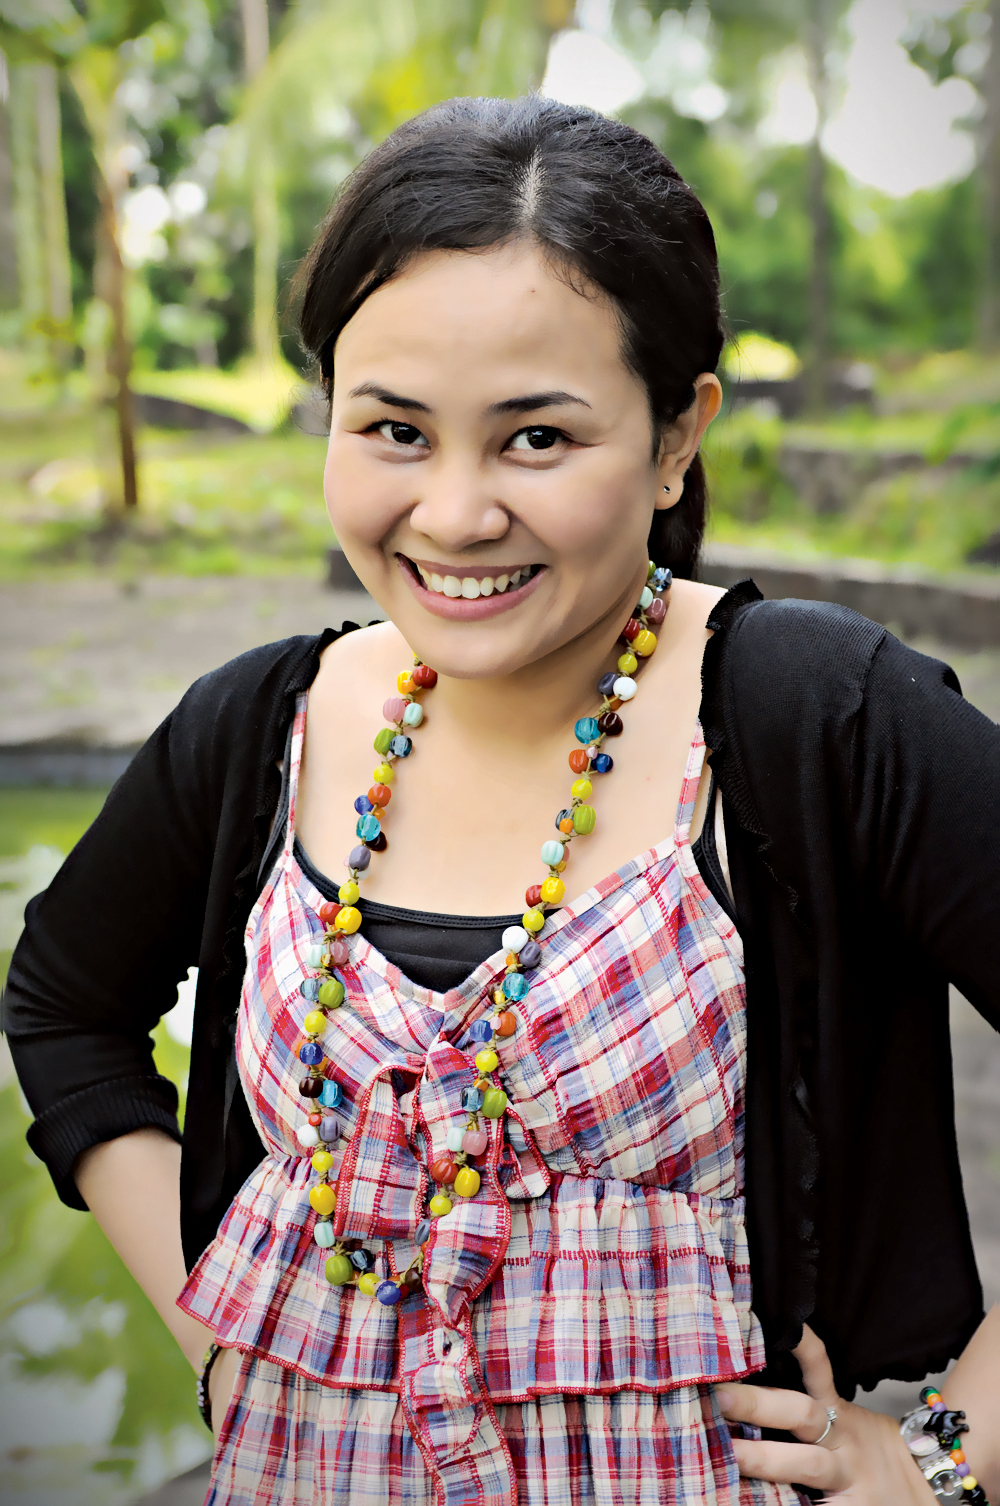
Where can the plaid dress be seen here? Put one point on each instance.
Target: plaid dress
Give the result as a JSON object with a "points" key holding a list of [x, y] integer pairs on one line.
{"points": [[576, 1311]]}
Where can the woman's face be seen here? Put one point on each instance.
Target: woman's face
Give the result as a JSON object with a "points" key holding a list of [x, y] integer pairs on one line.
{"points": [[490, 473]]}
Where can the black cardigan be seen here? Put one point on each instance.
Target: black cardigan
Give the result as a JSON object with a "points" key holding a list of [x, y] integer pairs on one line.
{"points": [[862, 804]]}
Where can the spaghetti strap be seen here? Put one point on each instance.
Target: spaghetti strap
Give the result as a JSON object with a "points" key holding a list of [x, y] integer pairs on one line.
{"points": [[689, 787], [295, 765]]}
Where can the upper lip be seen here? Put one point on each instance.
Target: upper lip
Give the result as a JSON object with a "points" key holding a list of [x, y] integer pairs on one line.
{"points": [[468, 572]]}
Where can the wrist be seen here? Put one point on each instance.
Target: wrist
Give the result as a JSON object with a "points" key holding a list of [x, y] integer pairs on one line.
{"points": [[935, 1436]]}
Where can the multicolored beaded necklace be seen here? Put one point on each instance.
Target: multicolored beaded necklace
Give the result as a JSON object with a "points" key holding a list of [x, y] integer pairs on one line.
{"points": [[453, 1173]]}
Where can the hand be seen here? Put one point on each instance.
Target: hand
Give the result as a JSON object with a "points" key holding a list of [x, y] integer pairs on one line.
{"points": [[221, 1381], [862, 1460]]}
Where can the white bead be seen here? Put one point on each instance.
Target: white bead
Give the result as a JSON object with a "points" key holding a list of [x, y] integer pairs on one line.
{"points": [[624, 688], [512, 940], [307, 1135], [646, 599], [593, 751], [315, 953], [454, 1138], [413, 715]]}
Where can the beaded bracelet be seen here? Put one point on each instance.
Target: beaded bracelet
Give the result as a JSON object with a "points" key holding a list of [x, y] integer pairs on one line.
{"points": [[932, 1433], [201, 1384]]}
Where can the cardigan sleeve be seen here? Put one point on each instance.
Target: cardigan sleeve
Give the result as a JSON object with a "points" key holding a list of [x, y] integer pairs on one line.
{"points": [[101, 956], [926, 793]]}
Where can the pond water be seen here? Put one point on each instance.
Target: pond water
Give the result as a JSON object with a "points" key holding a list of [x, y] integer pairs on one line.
{"points": [[96, 1401]]}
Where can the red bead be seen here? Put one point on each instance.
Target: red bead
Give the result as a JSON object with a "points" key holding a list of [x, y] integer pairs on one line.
{"points": [[443, 1170], [380, 794], [339, 954], [578, 761], [533, 896], [425, 677], [315, 1119], [328, 912], [610, 723], [656, 611], [505, 1024], [632, 629]]}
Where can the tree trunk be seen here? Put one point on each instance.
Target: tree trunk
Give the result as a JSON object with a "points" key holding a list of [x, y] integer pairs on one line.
{"points": [[817, 364], [55, 229], [40, 212], [120, 362], [264, 193], [27, 210], [8, 237], [989, 162]]}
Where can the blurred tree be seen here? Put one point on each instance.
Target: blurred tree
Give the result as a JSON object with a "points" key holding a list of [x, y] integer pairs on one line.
{"points": [[87, 42], [39, 205], [966, 44], [264, 196]]}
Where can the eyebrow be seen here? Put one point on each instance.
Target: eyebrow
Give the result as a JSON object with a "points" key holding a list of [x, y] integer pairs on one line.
{"points": [[530, 402]]}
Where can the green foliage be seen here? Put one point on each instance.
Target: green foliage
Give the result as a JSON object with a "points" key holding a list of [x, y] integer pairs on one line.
{"points": [[49, 817], [948, 46]]}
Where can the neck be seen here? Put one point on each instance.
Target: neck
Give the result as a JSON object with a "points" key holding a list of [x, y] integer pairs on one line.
{"points": [[543, 696]]}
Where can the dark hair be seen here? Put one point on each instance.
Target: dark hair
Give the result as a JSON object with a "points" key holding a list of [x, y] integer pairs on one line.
{"points": [[599, 198]]}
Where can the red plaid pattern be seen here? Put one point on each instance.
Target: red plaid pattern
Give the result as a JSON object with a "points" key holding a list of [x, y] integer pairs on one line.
{"points": [[605, 1254]]}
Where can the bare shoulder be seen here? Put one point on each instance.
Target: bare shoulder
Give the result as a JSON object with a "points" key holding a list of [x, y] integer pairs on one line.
{"points": [[695, 600], [358, 658]]}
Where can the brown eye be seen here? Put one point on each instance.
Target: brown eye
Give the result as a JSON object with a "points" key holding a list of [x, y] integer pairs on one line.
{"points": [[538, 438], [407, 434]]}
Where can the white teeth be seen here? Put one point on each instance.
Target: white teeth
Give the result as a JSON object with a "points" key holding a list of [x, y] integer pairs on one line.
{"points": [[515, 577], [437, 584], [502, 582], [486, 586], [452, 585], [424, 576], [470, 587]]}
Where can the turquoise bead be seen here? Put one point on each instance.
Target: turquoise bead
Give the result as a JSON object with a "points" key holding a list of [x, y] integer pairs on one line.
{"points": [[331, 1095], [413, 715], [454, 1138], [515, 985], [586, 730], [553, 853], [368, 828], [323, 1234]]}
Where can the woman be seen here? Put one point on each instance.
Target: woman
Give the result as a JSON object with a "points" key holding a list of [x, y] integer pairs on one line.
{"points": [[480, 1161]]}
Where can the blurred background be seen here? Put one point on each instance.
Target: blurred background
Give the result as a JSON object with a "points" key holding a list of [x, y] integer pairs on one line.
{"points": [[163, 167]]}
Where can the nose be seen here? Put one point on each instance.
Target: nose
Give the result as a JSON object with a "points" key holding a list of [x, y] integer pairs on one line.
{"points": [[457, 508]]}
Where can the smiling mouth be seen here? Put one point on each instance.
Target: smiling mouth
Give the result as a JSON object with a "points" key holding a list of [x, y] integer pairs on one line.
{"points": [[471, 587]]}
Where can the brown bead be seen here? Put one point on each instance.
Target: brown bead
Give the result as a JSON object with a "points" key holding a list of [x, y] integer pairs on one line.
{"points": [[610, 723], [379, 843], [311, 1087], [413, 1279]]}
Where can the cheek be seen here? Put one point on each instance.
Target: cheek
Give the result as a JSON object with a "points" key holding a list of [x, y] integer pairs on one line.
{"points": [[362, 506], [604, 508]]}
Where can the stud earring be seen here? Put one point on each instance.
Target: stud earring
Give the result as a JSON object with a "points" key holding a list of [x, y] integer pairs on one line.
{"points": [[667, 490]]}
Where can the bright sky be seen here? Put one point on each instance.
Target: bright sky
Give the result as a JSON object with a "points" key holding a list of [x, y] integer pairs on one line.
{"points": [[893, 129]]}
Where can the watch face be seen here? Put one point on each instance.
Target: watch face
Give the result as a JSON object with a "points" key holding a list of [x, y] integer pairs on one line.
{"points": [[924, 1444]]}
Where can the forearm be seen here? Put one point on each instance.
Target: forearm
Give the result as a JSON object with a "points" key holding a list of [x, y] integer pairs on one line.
{"points": [[132, 1187], [974, 1387]]}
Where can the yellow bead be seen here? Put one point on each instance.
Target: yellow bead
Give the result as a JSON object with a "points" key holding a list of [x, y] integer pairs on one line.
{"points": [[404, 682], [487, 1060], [323, 1198], [644, 643], [532, 920], [553, 890], [314, 1022], [367, 1283], [383, 773], [467, 1182], [500, 998], [970, 1482], [627, 663], [439, 1205], [349, 893], [348, 920], [582, 789], [561, 867], [322, 1161]]}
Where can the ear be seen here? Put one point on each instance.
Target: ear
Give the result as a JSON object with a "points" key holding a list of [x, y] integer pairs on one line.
{"points": [[681, 441]]}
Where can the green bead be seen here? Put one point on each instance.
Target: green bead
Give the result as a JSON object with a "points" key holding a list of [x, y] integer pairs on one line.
{"points": [[331, 993], [339, 1270], [584, 821], [651, 571], [494, 1103], [383, 740]]}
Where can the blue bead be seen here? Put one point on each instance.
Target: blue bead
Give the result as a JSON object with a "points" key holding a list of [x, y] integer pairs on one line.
{"points": [[331, 1095], [530, 954], [309, 989], [359, 858], [361, 1260], [362, 805], [661, 579], [422, 1233], [368, 828], [585, 730], [311, 1054], [515, 986], [606, 683], [401, 746], [481, 1030], [472, 1100], [603, 763], [388, 1293]]}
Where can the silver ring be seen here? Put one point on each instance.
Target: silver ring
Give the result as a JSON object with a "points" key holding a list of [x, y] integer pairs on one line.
{"points": [[831, 1418]]}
